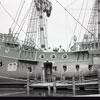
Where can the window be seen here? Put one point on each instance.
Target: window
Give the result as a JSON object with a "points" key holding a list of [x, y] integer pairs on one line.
{"points": [[53, 56], [15, 64], [90, 67], [55, 68], [30, 69], [96, 45], [10, 64], [64, 56], [92, 45], [77, 67], [42, 56], [0, 63], [65, 67]]}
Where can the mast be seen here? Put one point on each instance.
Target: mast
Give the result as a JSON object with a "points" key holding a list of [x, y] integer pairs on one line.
{"points": [[36, 31], [99, 20], [92, 35], [44, 8]]}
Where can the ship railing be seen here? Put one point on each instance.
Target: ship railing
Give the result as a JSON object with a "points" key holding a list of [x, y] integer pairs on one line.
{"points": [[85, 46]]}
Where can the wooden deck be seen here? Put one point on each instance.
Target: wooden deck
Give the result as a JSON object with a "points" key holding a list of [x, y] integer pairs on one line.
{"points": [[60, 84]]}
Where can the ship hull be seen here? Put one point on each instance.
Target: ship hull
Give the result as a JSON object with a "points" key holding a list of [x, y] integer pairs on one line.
{"points": [[15, 64]]}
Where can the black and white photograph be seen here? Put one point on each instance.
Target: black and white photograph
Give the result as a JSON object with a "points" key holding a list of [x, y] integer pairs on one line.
{"points": [[50, 48]]}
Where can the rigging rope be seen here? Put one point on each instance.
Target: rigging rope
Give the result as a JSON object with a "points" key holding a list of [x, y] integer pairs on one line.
{"points": [[10, 16], [83, 21], [74, 1], [72, 16], [23, 22], [16, 14], [76, 26], [81, 27], [14, 20], [20, 10]]}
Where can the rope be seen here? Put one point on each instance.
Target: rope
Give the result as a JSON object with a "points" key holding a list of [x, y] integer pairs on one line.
{"points": [[13, 18], [23, 22], [19, 15], [72, 16], [10, 16], [76, 25], [74, 1], [16, 14], [83, 21]]}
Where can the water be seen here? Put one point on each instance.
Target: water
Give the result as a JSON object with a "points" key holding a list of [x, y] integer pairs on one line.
{"points": [[21, 92]]}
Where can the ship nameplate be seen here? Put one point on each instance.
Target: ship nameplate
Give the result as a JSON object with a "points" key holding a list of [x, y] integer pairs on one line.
{"points": [[12, 66]]}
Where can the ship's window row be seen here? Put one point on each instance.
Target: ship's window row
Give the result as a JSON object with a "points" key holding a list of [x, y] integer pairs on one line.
{"points": [[53, 56], [77, 67]]}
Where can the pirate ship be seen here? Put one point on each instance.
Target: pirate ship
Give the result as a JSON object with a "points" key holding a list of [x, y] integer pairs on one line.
{"points": [[82, 59]]}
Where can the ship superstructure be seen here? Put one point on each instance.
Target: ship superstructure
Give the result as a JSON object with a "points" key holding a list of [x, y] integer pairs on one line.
{"points": [[15, 58]]}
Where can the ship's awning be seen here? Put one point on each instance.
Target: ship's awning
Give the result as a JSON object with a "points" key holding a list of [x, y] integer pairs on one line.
{"points": [[27, 61]]}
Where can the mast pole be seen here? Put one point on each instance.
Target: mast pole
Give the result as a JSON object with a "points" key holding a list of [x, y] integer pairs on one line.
{"points": [[41, 18], [98, 19]]}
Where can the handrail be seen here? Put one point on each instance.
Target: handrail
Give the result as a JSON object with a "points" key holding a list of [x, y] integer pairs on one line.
{"points": [[85, 46]]}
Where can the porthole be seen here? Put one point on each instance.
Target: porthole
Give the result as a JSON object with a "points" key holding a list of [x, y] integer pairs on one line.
{"points": [[64, 56], [7, 50], [42, 56], [53, 56]]}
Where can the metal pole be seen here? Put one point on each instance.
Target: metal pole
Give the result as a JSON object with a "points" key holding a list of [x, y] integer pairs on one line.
{"points": [[73, 84], [54, 84], [54, 87], [79, 78], [43, 72], [82, 78], [49, 89], [64, 77], [27, 82]]}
